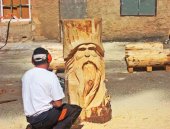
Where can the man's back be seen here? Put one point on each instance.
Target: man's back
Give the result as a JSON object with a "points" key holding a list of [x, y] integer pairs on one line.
{"points": [[39, 89]]}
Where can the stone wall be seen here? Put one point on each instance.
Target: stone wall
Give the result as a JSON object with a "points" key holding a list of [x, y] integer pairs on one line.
{"points": [[45, 19], [116, 27]]}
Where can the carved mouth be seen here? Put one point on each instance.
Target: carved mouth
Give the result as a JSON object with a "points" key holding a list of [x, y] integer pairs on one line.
{"points": [[88, 63]]}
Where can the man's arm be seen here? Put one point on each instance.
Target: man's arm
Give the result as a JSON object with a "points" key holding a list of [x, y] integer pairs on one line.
{"points": [[57, 103]]}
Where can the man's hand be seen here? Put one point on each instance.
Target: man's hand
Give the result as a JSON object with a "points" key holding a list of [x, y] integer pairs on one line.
{"points": [[57, 103]]}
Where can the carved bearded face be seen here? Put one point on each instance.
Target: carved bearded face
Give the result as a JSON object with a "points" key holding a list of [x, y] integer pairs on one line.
{"points": [[88, 67], [87, 54]]}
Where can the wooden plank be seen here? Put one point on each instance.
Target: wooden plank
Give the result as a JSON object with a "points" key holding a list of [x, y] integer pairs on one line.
{"points": [[130, 69], [167, 67], [24, 2], [6, 2], [16, 2], [25, 12], [149, 68]]}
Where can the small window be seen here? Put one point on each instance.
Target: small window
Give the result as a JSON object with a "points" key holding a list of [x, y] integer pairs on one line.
{"points": [[19, 9], [138, 7]]}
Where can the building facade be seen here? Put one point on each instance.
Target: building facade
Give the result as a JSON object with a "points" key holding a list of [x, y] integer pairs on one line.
{"points": [[122, 20]]}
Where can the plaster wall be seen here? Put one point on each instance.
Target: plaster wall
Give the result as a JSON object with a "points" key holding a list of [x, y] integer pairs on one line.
{"points": [[45, 20], [116, 27]]}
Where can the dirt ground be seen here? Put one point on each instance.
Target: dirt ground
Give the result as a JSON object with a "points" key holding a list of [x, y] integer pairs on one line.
{"points": [[140, 100]]}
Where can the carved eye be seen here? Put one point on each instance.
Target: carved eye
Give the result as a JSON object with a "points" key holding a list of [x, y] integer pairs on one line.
{"points": [[82, 49], [91, 48]]}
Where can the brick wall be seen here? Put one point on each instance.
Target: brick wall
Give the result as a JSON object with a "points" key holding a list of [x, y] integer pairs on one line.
{"points": [[116, 27]]}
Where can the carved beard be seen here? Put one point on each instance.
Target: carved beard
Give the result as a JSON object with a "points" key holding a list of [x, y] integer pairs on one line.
{"points": [[92, 77], [88, 72]]}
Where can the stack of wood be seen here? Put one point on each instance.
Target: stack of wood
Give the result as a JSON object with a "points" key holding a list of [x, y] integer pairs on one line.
{"points": [[147, 55]]}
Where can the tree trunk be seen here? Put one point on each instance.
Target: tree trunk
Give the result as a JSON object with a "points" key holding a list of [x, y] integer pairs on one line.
{"points": [[85, 68]]}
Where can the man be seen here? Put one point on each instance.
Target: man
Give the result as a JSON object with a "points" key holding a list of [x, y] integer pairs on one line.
{"points": [[42, 96]]}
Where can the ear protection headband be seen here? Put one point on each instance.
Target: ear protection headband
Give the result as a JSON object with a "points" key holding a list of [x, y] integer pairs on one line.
{"points": [[49, 57], [42, 58]]}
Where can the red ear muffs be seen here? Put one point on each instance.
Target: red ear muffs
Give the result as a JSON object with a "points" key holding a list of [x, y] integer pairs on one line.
{"points": [[49, 58]]}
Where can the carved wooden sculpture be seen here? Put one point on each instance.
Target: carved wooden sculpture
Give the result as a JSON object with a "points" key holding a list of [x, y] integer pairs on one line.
{"points": [[85, 69]]}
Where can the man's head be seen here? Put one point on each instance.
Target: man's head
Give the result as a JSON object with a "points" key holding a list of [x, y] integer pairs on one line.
{"points": [[41, 56]]}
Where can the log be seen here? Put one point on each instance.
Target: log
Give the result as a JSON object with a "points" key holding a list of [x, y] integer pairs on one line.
{"points": [[142, 61], [57, 65], [85, 68], [146, 54], [131, 53], [143, 58], [144, 46]]}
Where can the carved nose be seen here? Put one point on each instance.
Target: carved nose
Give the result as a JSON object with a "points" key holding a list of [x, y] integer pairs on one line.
{"points": [[87, 54]]}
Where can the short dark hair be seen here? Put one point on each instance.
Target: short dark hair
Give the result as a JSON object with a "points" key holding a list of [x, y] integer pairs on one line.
{"points": [[39, 56]]}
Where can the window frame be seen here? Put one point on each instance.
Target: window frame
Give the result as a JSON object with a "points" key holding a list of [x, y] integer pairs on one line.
{"points": [[138, 13], [18, 19]]}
